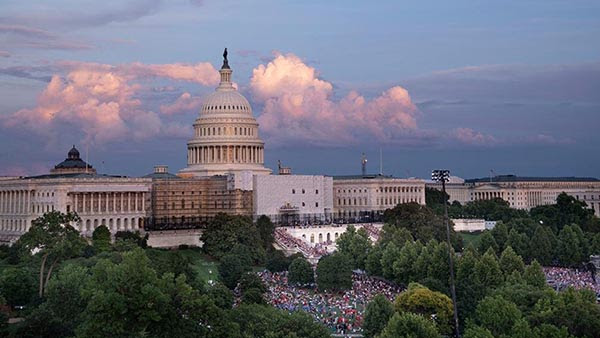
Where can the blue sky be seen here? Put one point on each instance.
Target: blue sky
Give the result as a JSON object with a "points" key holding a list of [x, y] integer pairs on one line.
{"points": [[472, 86]]}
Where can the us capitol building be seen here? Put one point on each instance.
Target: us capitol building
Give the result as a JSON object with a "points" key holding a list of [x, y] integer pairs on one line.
{"points": [[225, 173]]}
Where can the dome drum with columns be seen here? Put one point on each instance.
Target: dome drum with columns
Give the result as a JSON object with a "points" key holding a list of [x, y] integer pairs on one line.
{"points": [[226, 136]]}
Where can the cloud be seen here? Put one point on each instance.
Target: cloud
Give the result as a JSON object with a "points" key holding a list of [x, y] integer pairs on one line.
{"points": [[31, 37], [65, 14], [101, 101], [4, 54], [469, 136], [298, 107], [184, 104]]}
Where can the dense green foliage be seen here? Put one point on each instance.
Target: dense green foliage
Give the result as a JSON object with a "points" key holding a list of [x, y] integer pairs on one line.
{"points": [[377, 314], [301, 272], [334, 272]]}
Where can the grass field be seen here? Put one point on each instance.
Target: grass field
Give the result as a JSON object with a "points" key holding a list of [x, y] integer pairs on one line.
{"points": [[206, 267], [470, 238]]}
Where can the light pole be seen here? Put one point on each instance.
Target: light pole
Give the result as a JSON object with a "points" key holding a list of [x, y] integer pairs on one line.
{"points": [[443, 175]]}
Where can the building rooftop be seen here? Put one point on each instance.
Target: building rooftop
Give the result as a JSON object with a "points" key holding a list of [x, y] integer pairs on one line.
{"points": [[74, 175], [361, 177], [515, 178]]}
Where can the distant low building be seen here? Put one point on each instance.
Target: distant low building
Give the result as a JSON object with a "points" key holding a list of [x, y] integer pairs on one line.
{"points": [[525, 192], [118, 202], [472, 225], [365, 197]]}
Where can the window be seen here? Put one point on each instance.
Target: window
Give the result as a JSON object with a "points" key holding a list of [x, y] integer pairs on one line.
{"points": [[317, 191], [182, 204], [317, 204], [303, 191], [293, 191], [303, 204]]}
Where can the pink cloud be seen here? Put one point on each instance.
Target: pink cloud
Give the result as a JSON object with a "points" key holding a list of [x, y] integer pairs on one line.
{"points": [[102, 102], [184, 104], [298, 106], [472, 137], [4, 54]]}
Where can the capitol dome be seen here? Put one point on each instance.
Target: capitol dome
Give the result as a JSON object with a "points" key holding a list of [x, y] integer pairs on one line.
{"points": [[226, 139]]}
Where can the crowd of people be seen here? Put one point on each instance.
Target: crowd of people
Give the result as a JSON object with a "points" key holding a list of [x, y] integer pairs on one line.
{"points": [[288, 241], [561, 278], [342, 312], [373, 231]]}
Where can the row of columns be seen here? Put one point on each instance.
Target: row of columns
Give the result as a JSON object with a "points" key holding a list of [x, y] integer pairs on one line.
{"points": [[225, 154], [486, 195], [15, 202], [104, 202]]}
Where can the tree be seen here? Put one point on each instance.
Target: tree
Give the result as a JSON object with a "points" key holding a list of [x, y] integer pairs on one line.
{"points": [[133, 237], [487, 241], [64, 299], [231, 269], [542, 248], [510, 261], [469, 289], [475, 331], [373, 261], [519, 241], [378, 312], [388, 257], [55, 239], [409, 325], [17, 286], [277, 261], [101, 239], [404, 266], [252, 281], [567, 210], [422, 223], [264, 321], [488, 272], [497, 315], [124, 299], [221, 296], [265, 230], [301, 272], [534, 275], [569, 249], [500, 234], [431, 304], [356, 245], [575, 310], [224, 232], [334, 272], [253, 296]]}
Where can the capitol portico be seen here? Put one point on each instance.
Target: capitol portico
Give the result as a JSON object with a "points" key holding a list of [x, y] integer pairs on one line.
{"points": [[226, 139]]}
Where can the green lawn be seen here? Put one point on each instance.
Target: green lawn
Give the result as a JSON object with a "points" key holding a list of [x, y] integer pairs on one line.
{"points": [[470, 238], [206, 267]]}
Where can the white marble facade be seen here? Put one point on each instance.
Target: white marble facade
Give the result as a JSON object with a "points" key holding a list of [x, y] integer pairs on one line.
{"points": [[293, 198], [120, 203]]}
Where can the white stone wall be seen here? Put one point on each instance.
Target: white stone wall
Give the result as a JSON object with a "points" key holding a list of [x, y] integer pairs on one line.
{"points": [[310, 194], [356, 197], [174, 238], [122, 203]]}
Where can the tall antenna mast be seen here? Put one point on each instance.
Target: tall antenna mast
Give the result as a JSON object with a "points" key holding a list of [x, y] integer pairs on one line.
{"points": [[363, 162], [380, 161]]}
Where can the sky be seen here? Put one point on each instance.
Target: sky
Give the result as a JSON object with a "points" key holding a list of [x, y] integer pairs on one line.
{"points": [[477, 87]]}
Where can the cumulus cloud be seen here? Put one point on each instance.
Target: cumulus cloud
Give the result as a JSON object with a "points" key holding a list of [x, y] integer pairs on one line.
{"points": [[298, 106], [101, 101], [471, 137], [184, 104]]}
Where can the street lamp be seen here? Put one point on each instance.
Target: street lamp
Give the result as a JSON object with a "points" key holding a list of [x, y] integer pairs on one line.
{"points": [[443, 176]]}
